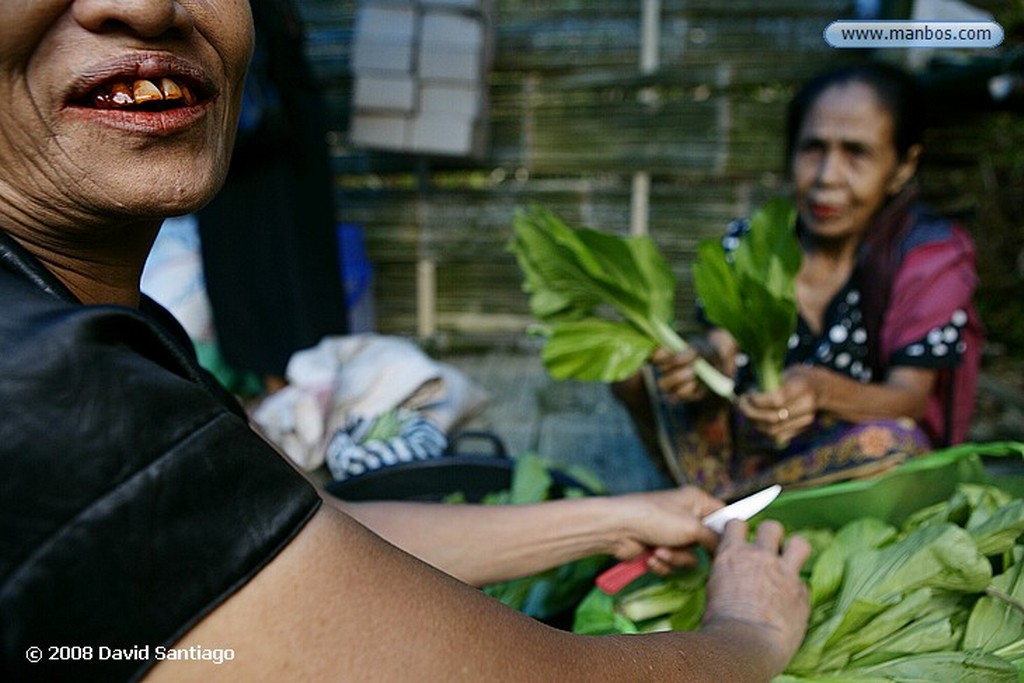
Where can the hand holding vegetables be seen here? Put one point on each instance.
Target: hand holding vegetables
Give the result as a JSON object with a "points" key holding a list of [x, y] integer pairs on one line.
{"points": [[938, 597], [755, 590], [605, 302], [788, 410], [677, 377], [751, 291], [677, 373]]}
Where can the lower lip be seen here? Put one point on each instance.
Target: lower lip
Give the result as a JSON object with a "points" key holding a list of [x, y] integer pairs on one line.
{"points": [[824, 212], [159, 123]]}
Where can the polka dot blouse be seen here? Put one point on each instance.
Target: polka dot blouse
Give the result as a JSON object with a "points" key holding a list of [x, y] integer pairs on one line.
{"points": [[842, 344]]}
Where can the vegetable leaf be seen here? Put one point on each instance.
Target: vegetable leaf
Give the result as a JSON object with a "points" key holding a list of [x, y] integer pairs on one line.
{"points": [[939, 599], [857, 536], [607, 298], [999, 532], [595, 349], [941, 556], [752, 292], [968, 667], [596, 615], [996, 622]]}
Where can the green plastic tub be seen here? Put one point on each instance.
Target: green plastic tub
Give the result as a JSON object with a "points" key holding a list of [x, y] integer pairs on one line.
{"points": [[894, 495]]}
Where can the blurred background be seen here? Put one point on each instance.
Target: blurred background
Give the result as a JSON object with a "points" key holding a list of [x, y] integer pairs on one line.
{"points": [[583, 101], [658, 117]]}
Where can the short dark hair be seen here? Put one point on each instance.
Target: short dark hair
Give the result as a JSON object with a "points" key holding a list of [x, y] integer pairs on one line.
{"points": [[897, 92]]}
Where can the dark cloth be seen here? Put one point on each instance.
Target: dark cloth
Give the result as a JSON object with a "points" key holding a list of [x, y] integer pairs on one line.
{"points": [[134, 498], [269, 245]]}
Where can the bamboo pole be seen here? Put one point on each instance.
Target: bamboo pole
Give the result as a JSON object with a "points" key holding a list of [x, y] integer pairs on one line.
{"points": [[650, 30], [426, 266]]}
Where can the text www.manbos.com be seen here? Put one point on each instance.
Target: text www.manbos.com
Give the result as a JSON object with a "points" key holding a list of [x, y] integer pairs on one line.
{"points": [[862, 34]]}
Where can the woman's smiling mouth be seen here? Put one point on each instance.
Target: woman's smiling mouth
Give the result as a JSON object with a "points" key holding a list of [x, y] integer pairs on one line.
{"points": [[156, 94], [142, 82], [823, 212], [147, 94]]}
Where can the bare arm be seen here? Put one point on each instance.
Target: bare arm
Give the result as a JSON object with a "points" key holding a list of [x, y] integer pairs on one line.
{"points": [[483, 544], [340, 604], [808, 390]]}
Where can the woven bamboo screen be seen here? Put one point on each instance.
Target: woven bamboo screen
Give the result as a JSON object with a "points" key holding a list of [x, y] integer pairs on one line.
{"points": [[572, 119]]}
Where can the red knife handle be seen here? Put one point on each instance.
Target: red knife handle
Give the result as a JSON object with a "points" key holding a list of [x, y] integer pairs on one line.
{"points": [[614, 579]]}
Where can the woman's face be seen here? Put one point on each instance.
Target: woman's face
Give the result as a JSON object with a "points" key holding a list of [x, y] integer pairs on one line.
{"points": [[117, 108], [845, 163]]}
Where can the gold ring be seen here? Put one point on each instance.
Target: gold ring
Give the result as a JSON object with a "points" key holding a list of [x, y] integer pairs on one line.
{"points": [[783, 414]]}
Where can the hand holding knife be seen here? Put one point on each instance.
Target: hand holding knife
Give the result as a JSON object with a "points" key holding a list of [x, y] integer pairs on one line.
{"points": [[612, 580]]}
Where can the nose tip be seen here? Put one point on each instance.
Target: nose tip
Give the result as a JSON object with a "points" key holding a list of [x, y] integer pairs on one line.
{"points": [[827, 168], [146, 18]]}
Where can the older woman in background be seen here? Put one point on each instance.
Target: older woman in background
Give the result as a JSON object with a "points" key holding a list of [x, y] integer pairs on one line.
{"points": [[139, 512], [883, 364]]}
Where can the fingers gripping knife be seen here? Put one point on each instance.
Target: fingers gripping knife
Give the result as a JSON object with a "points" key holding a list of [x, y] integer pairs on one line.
{"points": [[612, 580]]}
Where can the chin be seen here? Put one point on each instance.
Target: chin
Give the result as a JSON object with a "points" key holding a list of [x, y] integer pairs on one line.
{"points": [[166, 192]]}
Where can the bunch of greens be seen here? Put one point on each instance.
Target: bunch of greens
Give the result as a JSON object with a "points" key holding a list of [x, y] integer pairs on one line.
{"points": [[751, 292], [939, 598], [553, 592], [605, 302]]}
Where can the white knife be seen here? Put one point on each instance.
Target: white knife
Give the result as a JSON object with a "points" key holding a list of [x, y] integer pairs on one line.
{"points": [[614, 579]]}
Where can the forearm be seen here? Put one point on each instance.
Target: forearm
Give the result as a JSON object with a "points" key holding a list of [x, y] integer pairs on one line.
{"points": [[904, 394], [483, 544], [373, 613], [726, 652]]}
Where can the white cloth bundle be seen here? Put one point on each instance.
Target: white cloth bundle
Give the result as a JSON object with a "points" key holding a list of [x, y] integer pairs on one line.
{"points": [[361, 376]]}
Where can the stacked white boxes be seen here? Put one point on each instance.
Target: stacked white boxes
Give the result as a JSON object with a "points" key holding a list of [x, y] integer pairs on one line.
{"points": [[421, 70]]}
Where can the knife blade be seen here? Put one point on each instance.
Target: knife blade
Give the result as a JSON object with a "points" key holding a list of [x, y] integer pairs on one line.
{"points": [[614, 579]]}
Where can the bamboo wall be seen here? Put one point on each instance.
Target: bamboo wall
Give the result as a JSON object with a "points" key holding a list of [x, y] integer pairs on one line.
{"points": [[572, 119]]}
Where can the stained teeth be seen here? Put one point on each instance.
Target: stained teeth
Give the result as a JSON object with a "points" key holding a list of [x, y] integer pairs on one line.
{"points": [[146, 91], [141, 91], [121, 95], [170, 89]]}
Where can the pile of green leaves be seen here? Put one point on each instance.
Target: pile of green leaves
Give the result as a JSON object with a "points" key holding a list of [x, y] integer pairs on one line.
{"points": [[939, 598], [553, 592], [604, 302], [752, 292]]}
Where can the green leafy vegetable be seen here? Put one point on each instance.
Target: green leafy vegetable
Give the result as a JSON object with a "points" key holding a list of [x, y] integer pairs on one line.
{"points": [[596, 615], [860, 535], [605, 302], [939, 598], [549, 593], [752, 295], [681, 597], [997, 620], [965, 667], [385, 426], [877, 581]]}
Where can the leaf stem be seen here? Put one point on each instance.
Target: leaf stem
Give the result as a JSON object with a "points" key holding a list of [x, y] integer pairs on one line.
{"points": [[717, 381], [768, 376], [1005, 597]]}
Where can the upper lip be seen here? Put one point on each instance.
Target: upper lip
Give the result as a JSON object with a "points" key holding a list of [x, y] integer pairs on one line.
{"points": [[140, 66]]}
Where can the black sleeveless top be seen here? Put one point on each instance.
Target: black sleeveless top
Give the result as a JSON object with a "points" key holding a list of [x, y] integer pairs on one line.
{"points": [[134, 498]]}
